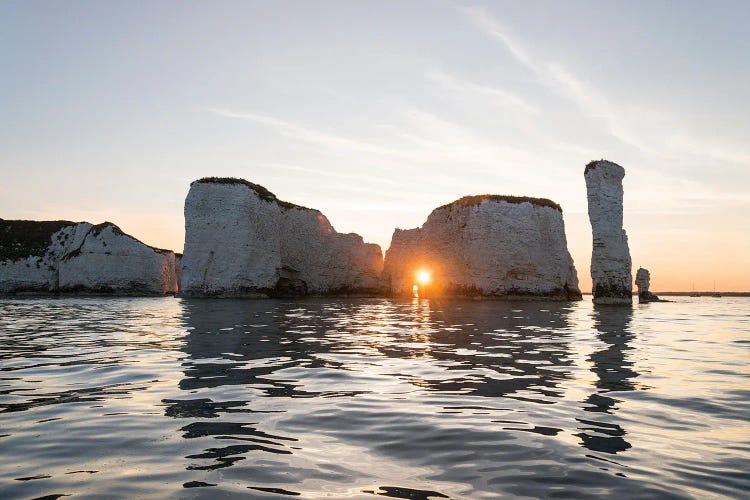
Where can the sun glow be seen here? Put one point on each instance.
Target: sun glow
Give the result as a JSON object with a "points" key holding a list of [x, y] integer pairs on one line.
{"points": [[423, 277]]}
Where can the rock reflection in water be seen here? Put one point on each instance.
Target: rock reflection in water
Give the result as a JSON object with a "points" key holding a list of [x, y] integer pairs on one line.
{"points": [[615, 374], [170, 398], [227, 339], [375, 354]]}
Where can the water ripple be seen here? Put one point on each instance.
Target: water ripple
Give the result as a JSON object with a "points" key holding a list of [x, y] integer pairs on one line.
{"points": [[170, 398]]}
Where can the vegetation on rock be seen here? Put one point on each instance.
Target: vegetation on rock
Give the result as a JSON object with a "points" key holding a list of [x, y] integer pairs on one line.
{"points": [[471, 201], [261, 191], [20, 239]]}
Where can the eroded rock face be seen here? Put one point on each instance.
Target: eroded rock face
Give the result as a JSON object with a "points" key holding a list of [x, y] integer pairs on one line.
{"points": [[491, 246], [241, 241], [63, 256], [643, 282], [610, 259]]}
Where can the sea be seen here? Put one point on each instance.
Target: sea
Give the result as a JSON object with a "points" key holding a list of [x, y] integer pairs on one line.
{"points": [[366, 398]]}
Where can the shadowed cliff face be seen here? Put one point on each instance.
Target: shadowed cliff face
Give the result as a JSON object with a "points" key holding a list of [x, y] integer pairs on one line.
{"points": [[485, 246]]}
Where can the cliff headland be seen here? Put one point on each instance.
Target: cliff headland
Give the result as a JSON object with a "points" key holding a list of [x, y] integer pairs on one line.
{"points": [[79, 257], [243, 241]]}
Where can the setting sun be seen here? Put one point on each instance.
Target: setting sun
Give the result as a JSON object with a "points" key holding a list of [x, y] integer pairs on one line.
{"points": [[423, 277]]}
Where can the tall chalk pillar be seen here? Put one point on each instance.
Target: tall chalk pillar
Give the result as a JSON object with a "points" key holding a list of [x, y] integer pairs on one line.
{"points": [[610, 259]]}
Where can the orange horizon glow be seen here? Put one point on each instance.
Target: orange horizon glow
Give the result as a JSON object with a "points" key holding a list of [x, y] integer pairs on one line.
{"points": [[700, 265]]}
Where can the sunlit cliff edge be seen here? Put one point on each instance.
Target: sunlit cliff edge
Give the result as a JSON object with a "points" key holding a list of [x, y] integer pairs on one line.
{"points": [[485, 246]]}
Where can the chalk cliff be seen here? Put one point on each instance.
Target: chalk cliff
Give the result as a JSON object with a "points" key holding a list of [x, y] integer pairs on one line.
{"points": [[63, 256], [242, 241], [487, 245], [643, 282], [610, 260]]}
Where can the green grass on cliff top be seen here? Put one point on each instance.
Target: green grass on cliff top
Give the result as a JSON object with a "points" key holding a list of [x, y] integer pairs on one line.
{"points": [[20, 239], [262, 192], [25, 238], [471, 201]]}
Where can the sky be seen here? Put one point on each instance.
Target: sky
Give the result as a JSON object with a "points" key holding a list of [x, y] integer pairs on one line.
{"points": [[377, 112]]}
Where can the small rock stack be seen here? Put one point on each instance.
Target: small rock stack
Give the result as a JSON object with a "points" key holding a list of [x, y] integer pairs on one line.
{"points": [[643, 281]]}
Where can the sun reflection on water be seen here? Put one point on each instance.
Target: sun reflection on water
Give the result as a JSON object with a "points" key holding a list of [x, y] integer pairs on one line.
{"points": [[374, 396]]}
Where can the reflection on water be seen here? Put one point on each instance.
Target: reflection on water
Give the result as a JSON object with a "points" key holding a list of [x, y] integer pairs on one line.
{"points": [[614, 374], [368, 397]]}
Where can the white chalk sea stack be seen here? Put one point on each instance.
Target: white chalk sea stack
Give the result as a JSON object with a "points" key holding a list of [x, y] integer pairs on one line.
{"points": [[70, 257], [610, 259], [643, 282], [242, 241], [486, 246]]}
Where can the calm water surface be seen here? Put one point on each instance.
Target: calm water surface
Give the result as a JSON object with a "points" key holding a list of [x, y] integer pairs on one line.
{"points": [[170, 398]]}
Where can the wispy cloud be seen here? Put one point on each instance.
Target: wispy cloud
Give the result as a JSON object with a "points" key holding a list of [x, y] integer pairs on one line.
{"points": [[556, 77], [347, 182], [494, 28], [626, 124], [711, 149], [448, 140], [361, 178], [487, 94], [420, 137], [595, 105], [302, 133]]}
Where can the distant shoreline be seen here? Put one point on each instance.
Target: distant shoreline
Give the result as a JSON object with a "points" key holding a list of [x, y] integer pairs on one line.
{"points": [[706, 294], [702, 294]]}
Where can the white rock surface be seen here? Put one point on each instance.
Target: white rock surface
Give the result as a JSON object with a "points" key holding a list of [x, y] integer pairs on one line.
{"points": [[81, 257], [610, 260], [232, 241], [327, 261], [486, 246], [241, 241], [643, 282]]}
